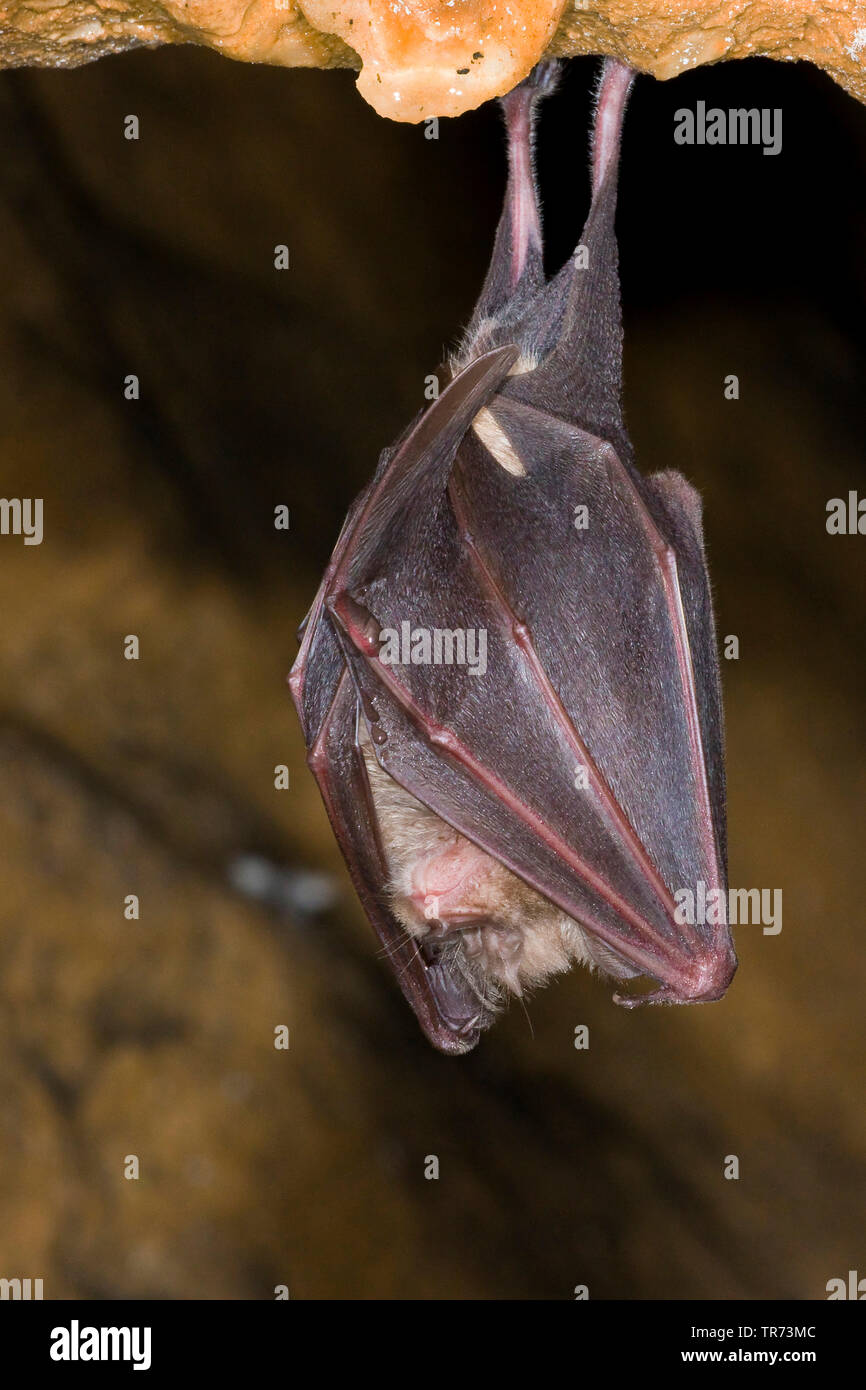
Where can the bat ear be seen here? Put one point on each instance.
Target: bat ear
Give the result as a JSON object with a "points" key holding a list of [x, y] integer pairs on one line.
{"points": [[407, 493], [573, 328]]}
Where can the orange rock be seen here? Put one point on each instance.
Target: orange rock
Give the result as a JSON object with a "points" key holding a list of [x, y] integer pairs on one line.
{"points": [[440, 57], [420, 58]]}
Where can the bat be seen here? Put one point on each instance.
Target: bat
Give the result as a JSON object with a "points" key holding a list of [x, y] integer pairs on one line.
{"points": [[508, 681]]}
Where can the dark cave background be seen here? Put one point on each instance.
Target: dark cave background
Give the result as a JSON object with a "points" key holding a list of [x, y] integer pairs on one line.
{"points": [[155, 1037]]}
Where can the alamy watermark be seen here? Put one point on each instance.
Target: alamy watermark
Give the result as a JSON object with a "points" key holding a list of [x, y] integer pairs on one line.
{"points": [[846, 517], [438, 646], [736, 126], [23, 1289], [757, 907], [22, 516], [77, 1343]]}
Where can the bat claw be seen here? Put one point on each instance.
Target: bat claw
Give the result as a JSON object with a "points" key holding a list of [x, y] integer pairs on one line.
{"points": [[704, 984], [655, 996]]}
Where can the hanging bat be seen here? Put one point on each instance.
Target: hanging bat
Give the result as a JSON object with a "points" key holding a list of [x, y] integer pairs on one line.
{"points": [[508, 681]]}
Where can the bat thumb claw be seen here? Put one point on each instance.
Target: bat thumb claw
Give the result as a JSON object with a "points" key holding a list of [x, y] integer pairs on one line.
{"points": [[663, 995], [708, 983]]}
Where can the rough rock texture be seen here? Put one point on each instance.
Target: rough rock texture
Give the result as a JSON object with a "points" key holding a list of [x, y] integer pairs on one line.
{"points": [[442, 57], [155, 1037]]}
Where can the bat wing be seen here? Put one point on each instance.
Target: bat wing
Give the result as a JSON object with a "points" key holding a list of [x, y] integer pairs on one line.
{"points": [[580, 757], [451, 1019], [328, 702]]}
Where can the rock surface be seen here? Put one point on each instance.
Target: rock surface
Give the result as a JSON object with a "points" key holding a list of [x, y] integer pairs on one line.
{"points": [[442, 57]]}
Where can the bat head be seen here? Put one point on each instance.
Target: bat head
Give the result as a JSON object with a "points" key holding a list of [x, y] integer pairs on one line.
{"points": [[484, 934]]}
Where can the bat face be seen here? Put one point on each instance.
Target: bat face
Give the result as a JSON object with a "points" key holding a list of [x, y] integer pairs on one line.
{"points": [[508, 681]]}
